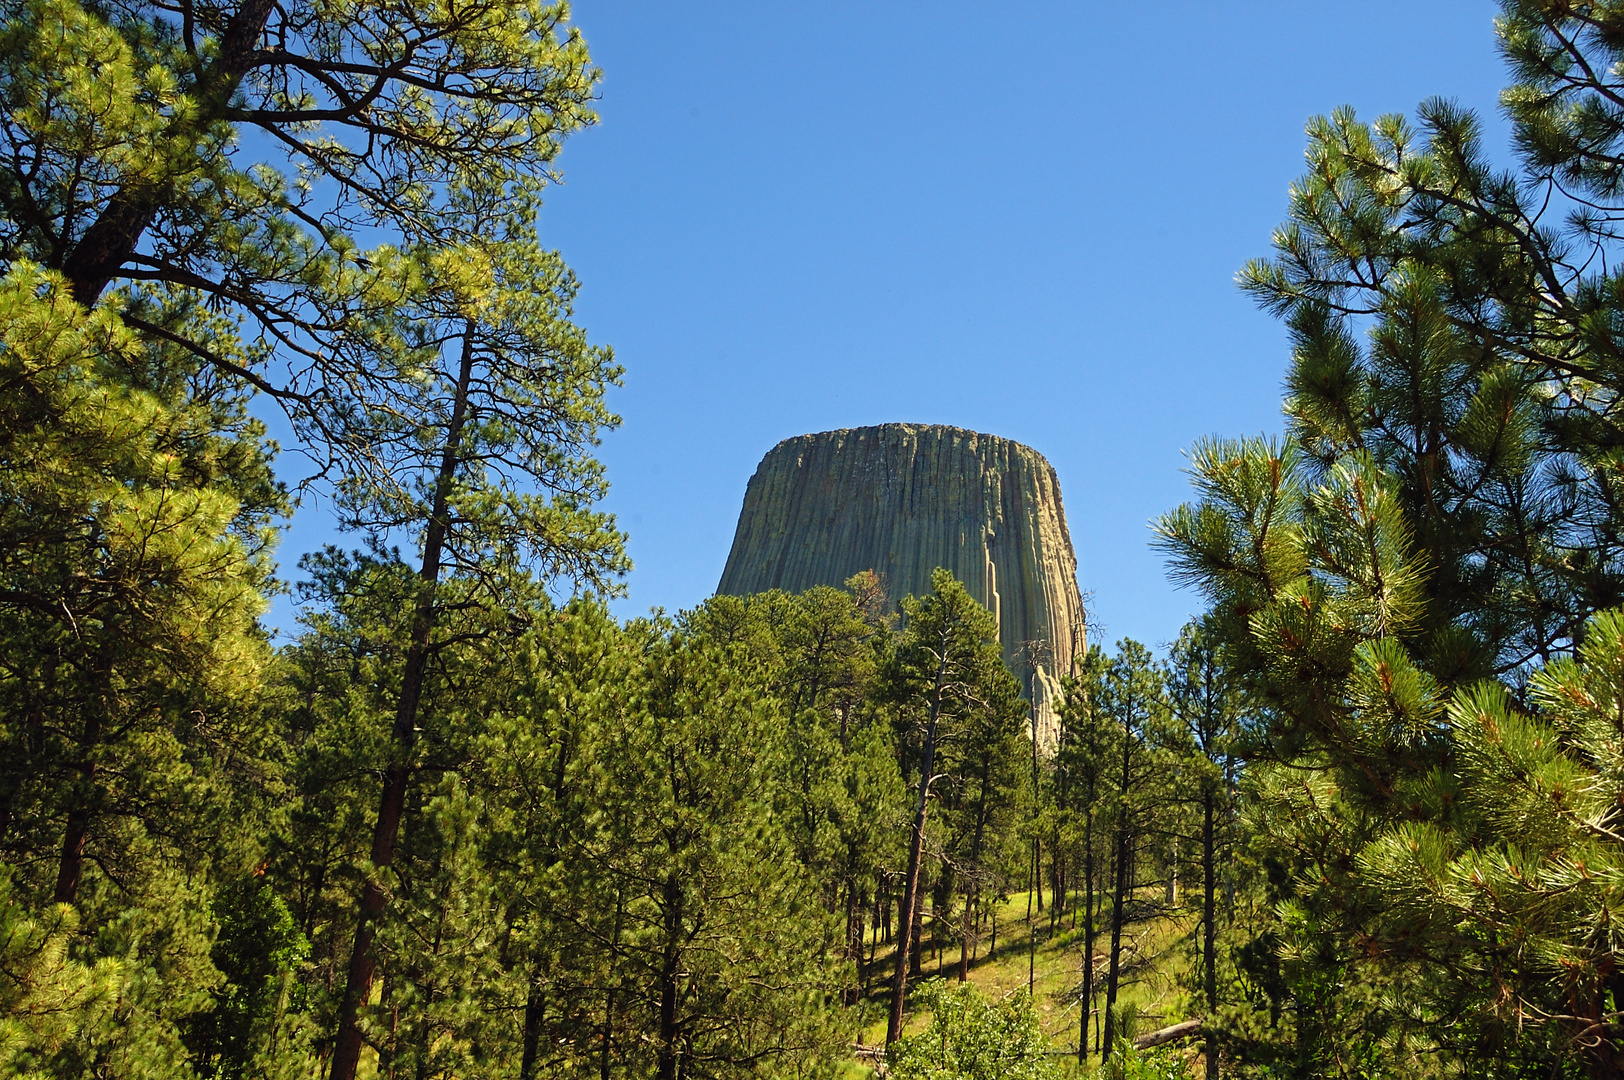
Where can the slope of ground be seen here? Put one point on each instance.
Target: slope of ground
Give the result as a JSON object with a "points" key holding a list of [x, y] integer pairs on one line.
{"points": [[1046, 951]]}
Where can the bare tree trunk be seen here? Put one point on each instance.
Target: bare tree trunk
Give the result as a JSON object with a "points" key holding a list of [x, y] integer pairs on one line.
{"points": [[972, 884], [916, 850], [907, 933], [1120, 895], [964, 943], [881, 928], [1209, 936], [1057, 894], [535, 1005], [1031, 931], [916, 939], [1037, 870], [666, 1055], [854, 943], [392, 805], [71, 863], [1089, 933]]}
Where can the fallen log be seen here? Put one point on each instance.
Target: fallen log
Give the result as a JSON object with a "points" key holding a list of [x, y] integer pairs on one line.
{"points": [[1168, 1034], [873, 1056]]}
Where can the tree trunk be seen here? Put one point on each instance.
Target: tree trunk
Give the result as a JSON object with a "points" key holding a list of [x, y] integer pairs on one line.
{"points": [[1119, 895], [1605, 1060], [1088, 932], [535, 1004], [854, 942], [1182, 1029], [114, 236], [916, 851], [916, 938], [1209, 916], [72, 860], [936, 935], [1230, 874], [665, 1067], [907, 925], [1037, 870], [964, 944], [363, 965], [1032, 889], [608, 1034], [972, 885], [881, 928], [1057, 895], [70, 864]]}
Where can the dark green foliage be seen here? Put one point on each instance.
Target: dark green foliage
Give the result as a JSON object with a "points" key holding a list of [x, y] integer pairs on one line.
{"points": [[456, 828], [722, 943], [259, 952], [1443, 511], [1204, 707], [958, 713], [597, 865]]}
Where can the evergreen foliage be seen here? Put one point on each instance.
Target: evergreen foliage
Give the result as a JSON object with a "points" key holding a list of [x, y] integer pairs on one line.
{"points": [[958, 712], [465, 826], [1399, 584]]}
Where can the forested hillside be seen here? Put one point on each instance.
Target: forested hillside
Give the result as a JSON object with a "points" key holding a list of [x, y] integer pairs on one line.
{"points": [[1364, 817]]}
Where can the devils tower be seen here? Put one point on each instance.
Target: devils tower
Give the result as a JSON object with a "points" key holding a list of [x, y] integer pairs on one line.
{"points": [[903, 499]]}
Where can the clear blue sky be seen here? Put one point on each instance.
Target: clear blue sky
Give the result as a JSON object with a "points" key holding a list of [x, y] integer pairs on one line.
{"points": [[1022, 218]]}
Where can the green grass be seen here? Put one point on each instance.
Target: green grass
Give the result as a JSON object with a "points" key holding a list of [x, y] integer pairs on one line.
{"points": [[1154, 961]]}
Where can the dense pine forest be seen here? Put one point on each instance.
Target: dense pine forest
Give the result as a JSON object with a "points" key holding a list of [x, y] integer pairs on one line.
{"points": [[1364, 817]]}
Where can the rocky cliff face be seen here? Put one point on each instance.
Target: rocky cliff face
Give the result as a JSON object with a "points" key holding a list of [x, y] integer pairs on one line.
{"points": [[903, 499]]}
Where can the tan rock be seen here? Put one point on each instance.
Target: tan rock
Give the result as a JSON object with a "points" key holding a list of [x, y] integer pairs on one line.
{"points": [[903, 499]]}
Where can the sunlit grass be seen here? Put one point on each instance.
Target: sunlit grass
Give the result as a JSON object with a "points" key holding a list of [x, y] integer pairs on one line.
{"points": [[1156, 960]]}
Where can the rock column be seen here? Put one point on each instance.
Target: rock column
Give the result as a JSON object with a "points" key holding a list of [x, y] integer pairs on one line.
{"points": [[903, 499]]}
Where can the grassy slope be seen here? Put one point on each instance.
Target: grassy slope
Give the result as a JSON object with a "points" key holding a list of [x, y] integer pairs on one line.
{"points": [[1155, 956]]}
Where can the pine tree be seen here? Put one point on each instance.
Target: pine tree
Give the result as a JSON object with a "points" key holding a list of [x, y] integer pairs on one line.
{"points": [[544, 767], [947, 679], [229, 155], [134, 533], [725, 948], [1087, 749], [1130, 693], [1442, 511], [819, 653], [1202, 701], [1531, 860], [1487, 381], [516, 405]]}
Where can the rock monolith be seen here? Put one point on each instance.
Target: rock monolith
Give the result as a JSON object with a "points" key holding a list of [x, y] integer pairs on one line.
{"points": [[903, 499]]}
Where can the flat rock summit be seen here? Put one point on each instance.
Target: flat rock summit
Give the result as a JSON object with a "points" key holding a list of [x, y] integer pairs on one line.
{"points": [[903, 499]]}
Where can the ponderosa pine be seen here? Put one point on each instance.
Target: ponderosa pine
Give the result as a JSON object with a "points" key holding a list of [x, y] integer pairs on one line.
{"points": [[1443, 511]]}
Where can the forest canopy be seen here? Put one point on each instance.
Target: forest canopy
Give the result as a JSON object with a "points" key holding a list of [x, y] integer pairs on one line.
{"points": [[1362, 818]]}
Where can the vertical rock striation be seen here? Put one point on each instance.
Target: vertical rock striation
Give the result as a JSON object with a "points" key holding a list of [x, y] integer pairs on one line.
{"points": [[903, 499]]}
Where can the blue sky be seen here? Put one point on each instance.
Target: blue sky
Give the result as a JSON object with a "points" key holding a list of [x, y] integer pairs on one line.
{"points": [[1021, 218]]}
